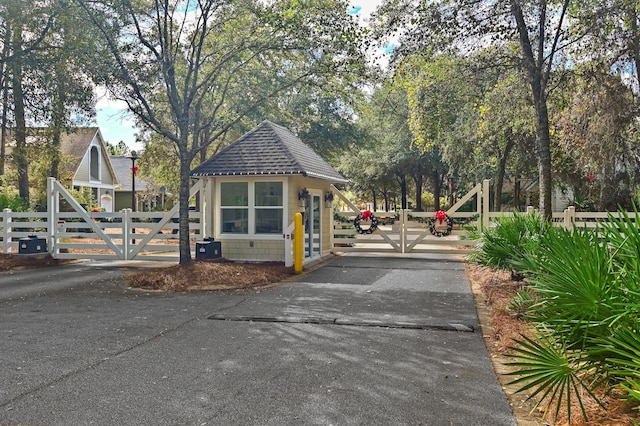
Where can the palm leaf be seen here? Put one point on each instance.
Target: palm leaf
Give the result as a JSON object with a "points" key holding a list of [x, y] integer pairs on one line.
{"points": [[549, 371]]}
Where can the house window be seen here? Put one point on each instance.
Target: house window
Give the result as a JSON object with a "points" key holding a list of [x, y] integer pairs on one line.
{"points": [[94, 165], [268, 207], [234, 204], [252, 208]]}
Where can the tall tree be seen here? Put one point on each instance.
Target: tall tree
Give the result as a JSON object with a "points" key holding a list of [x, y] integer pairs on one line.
{"points": [[540, 28], [440, 97], [20, 151], [615, 36], [599, 132], [506, 132], [42, 78], [178, 62]]}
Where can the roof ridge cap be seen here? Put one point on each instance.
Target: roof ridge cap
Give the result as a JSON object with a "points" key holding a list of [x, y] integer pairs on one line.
{"points": [[286, 146]]}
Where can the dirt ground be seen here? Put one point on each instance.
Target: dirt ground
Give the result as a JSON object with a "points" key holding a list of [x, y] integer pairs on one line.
{"points": [[493, 291]]}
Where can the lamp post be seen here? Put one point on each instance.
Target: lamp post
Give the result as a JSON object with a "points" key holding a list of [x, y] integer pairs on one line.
{"points": [[134, 171], [134, 157]]}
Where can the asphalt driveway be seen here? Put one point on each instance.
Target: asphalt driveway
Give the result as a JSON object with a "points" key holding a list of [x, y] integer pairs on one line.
{"points": [[358, 341]]}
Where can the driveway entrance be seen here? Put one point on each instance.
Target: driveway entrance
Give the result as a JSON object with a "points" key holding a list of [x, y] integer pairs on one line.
{"points": [[95, 352]]}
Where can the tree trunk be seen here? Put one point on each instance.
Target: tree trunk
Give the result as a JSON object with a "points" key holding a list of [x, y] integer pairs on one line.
{"points": [[516, 192], [418, 179], [375, 201], [20, 153], [437, 189], [183, 195], [58, 122], [402, 181], [4, 78], [387, 199], [502, 168], [543, 151], [537, 80]]}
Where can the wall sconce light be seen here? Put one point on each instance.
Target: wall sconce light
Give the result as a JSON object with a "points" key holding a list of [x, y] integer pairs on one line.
{"points": [[302, 197], [328, 199]]}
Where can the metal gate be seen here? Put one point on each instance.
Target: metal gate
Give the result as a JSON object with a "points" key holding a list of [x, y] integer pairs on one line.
{"points": [[407, 231]]}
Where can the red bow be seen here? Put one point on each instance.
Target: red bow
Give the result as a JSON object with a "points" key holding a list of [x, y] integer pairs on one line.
{"points": [[135, 170], [366, 215], [440, 215]]}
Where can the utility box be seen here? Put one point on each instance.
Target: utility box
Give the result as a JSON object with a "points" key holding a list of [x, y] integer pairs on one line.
{"points": [[32, 245], [208, 249]]}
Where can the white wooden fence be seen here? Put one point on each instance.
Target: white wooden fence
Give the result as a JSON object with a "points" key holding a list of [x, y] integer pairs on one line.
{"points": [[127, 235], [76, 233]]}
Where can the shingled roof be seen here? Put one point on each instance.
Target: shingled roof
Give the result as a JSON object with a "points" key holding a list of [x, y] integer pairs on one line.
{"points": [[269, 149], [122, 168]]}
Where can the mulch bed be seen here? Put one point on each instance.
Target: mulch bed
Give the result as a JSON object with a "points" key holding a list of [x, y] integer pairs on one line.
{"points": [[12, 262], [211, 275]]}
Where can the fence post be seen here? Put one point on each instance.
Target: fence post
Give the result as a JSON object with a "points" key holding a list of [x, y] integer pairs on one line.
{"points": [[403, 230], [51, 216], [569, 217], [530, 210], [485, 203], [6, 231], [126, 228]]}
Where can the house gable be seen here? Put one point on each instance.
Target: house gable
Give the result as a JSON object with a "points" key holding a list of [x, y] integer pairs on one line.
{"points": [[88, 158]]}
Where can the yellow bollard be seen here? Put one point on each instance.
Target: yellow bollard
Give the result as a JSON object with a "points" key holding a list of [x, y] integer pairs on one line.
{"points": [[298, 243]]}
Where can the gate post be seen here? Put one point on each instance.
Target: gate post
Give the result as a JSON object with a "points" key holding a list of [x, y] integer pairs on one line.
{"points": [[52, 210], [569, 217], [6, 230], [403, 230], [126, 228], [485, 203]]}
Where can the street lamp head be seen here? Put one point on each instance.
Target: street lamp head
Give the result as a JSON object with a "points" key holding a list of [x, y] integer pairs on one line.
{"points": [[133, 155]]}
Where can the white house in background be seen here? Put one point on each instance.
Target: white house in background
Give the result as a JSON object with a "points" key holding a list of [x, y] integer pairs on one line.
{"points": [[85, 157], [88, 160]]}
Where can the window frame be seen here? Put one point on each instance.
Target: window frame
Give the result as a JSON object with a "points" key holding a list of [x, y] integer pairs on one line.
{"points": [[251, 207], [98, 166]]}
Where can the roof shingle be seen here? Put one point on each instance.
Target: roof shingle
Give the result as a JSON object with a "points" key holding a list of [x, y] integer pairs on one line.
{"points": [[269, 149]]}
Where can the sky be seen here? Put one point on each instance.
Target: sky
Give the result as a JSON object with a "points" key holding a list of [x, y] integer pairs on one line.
{"points": [[116, 124]]}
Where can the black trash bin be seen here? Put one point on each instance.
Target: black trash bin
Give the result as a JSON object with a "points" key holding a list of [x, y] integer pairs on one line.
{"points": [[208, 249], [32, 245]]}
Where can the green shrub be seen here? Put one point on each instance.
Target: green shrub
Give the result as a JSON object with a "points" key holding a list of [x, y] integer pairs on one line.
{"points": [[586, 317], [510, 242], [15, 203]]}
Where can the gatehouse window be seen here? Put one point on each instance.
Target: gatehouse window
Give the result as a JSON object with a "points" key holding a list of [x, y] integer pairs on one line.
{"points": [[234, 203], [252, 208], [268, 206]]}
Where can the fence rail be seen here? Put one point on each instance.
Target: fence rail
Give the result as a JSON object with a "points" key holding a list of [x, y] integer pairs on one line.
{"points": [[71, 237]]}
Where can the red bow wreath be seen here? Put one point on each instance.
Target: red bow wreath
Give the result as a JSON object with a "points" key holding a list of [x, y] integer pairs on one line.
{"points": [[440, 217], [135, 170], [366, 216]]}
